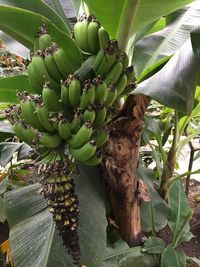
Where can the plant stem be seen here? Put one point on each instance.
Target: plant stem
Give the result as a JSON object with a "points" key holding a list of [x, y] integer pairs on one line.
{"points": [[169, 165], [126, 23], [192, 151]]}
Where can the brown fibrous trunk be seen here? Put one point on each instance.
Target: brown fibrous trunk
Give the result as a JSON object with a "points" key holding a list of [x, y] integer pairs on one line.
{"points": [[123, 188]]}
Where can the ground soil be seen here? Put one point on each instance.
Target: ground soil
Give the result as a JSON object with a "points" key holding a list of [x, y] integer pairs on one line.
{"points": [[192, 247]]}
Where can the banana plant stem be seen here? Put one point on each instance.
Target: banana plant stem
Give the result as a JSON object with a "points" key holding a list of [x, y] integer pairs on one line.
{"points": [[126, 23]]}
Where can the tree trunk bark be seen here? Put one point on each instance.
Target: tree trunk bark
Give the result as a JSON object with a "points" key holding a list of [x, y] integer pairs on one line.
{"points": [[120, 169]]}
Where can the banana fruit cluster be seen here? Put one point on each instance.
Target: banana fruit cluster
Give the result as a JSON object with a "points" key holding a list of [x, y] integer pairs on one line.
{"points": [[67, 118], [89, 35]]}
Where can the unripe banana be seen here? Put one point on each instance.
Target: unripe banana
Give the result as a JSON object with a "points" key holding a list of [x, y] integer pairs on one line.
{"points": [[30, 133], [51, 65], [64, 129], [43, 116], [92, 35], [101, 90], [93, 161], [85, 152], [65, 93], [123, 58], [41, 71], [98, 59], [82, 136], [32, 76], [114, 74], [121, 84], [89, 114], [62, 61], [112, 95], [130, 74], [74, 91], [48, 140], [100, 117], [101, 137], [29, 114], [103, 37], [76, 122], [44, 41], [128, 89], [18, 130], [80, 34], [51, 99], [88, 95], [106, 64]]}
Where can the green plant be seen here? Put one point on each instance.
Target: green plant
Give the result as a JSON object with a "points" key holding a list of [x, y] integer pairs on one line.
{"points": [[168, 74]]}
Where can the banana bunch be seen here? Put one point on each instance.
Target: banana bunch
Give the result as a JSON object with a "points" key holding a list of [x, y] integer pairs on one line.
{"points": [[89, 35], [67, 118]]}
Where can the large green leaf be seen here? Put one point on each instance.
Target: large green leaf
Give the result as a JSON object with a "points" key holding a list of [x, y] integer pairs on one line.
{"points": [[179, 211], [35, 241], [9, 86], [25, 24], [166, 42], [172, 257], [120, 256], [174, 85], [38, 6], [154, 213], [123, 18], [155, 245]]}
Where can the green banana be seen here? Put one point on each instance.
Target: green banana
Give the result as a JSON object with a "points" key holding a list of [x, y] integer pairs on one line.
{"points": [[88, 95], [99, 58], [43, 116], [92, 35], [32, 76], [89, 114], [44, 41], [100, 117], [123, 58], [112, 95], [101, 137], [130, 74], [101, 90], [85, 152], [49, 140], [106, 64], [30, 133], [74, 91], [103, 37], [128, 89], [29, 114], [64, 129], [80, 34], [121, 84], [75, 123], [62, 61], [114, 73], [51, 65], [51, 99], [93, 161], [65, 93], [82, 136], [41, 71], [18, 130]]}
